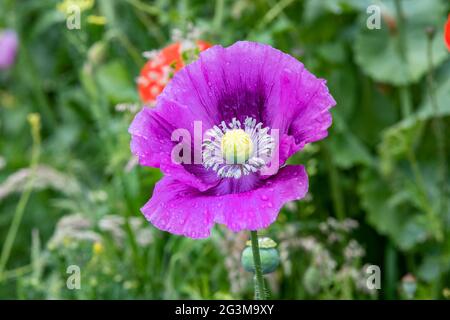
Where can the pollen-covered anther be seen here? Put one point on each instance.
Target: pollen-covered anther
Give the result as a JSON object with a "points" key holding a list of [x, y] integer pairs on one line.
{"points": [[233, 151]]}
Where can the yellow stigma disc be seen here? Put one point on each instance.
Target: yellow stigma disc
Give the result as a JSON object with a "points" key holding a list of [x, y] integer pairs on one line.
{"points": [[237, 146]]}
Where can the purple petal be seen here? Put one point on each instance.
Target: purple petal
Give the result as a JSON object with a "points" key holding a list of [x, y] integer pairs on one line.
{"points": [[313, 122], [8, 48], [151, 132], [250, 79], [183, 210], [244, 80], [239, 81]]}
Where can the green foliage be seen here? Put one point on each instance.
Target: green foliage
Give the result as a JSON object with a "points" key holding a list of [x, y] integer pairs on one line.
{"points": [[401, 45], [379, 184]]}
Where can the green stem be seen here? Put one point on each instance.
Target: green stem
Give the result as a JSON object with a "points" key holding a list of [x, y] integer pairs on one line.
{"points": [[20, 209], [426, 203], [405, 95], [391, 267], [17, 273], [405, 101], [271, 15], [260, 289], [218, 15], [36, 88], [336, 192], [439, 130], [108, 9], [401, 32], [151, 26], [145, 7]]}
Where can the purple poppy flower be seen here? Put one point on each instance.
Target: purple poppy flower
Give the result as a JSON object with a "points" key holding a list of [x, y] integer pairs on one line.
{"points": [[240, 95], [8, 48]]}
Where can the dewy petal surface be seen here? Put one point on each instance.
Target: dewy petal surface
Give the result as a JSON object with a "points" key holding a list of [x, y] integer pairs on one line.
{"points": [[151, 142], [183, 210], [250, 79], [244, 80]]}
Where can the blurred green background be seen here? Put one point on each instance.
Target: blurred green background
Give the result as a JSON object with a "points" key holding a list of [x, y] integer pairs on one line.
{"points": [[379, 184]]}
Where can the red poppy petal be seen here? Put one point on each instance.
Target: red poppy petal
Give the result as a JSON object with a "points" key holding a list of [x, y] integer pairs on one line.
{"points": [[153, 75], [447, 32]]}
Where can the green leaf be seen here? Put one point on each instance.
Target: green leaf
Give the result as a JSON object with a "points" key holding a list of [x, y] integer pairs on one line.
{"points": [[377, 51], [316, 8], [346, 148], [442, 94], [46, 21], [396, 141], [115, 82], [433, 265], [389, 216]]}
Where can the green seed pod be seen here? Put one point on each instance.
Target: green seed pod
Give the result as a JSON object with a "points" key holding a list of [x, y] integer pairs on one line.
{"points": [[270, 258]]}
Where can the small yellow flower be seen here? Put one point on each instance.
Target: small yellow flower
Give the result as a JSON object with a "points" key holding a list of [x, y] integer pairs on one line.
{"points": [[97, 248], [7, 100], [34, 119], [98, 20], [446, 293], [82, 5]]}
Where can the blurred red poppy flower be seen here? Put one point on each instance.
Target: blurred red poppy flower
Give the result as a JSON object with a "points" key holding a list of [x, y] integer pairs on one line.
{"points": [[160, 68], [447, 33]]}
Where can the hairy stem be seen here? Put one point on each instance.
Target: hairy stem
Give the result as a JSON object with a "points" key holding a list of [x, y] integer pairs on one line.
{"points": [[260, 288]]}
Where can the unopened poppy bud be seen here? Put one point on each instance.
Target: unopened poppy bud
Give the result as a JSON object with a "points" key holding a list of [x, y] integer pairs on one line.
{"points": [[409, 285], [430, 31], [270, 258], [97, 52]]}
